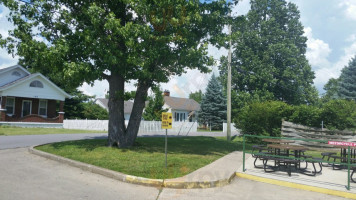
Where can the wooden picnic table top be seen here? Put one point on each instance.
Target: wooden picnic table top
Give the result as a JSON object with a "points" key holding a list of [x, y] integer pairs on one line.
{"points": [[280, 141], [288, 147], [343, 147]]}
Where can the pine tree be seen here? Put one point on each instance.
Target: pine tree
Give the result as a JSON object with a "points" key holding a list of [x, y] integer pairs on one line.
{"points": [[347, 82], [213, 105], [153, 111]]}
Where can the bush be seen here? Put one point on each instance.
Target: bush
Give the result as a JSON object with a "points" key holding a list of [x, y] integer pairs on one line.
{"points": [[339, 114], [306, 115], [263, 118]]}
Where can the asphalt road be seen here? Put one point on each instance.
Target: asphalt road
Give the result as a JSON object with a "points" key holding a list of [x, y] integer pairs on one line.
{"points": [[18, 141]]}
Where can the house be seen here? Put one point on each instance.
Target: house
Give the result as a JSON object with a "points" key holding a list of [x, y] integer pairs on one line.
{"points": [[128, 105], [26, 97], [182, 109]]}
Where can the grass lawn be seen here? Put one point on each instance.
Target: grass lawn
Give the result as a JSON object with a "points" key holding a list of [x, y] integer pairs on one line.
{"points": [[146, 158], [6, 130], [208, 130]]}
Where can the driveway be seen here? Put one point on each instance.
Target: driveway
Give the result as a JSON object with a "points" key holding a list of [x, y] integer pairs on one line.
{"points": [[27, 176]]}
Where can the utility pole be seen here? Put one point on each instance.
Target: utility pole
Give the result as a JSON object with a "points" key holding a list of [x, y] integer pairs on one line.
{"points": [[228, 130]]}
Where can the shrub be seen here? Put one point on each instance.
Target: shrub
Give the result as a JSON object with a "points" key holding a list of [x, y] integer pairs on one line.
{"points": [[263, 118], [306, 115], [339, 114]]}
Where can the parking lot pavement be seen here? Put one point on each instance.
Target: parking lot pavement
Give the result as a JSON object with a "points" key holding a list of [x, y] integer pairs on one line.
{"points": [[27, 176]]}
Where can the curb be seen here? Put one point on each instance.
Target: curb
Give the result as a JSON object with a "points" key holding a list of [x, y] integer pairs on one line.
{"points": [[167, 183], [297, 186]]}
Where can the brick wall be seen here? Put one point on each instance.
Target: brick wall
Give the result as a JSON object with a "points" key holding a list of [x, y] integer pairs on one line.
{"points": [[34, 118]]}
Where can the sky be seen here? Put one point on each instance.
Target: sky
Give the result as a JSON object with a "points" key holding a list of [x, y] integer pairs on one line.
{"points": [[330, 26]]}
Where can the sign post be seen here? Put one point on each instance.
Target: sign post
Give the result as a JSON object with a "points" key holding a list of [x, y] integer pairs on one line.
{"points": [[166, 124]]}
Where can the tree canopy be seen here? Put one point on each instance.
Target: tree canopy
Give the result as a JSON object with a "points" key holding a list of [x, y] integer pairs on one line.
{"points": [[153, 110], [197, 96], [213, 105], [144, 40], [268, 61]]}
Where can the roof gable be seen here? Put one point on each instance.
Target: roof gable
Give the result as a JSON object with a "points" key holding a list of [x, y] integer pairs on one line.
{"points": [[21, 88], [177, 103], [103, 102], [11, 74]]}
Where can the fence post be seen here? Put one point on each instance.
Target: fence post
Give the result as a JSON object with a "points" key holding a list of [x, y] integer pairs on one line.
{"points": [[348, 168], [243, 154]]}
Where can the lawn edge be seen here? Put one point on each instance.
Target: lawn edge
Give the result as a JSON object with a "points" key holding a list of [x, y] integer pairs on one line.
{"points": [[166, 183]]}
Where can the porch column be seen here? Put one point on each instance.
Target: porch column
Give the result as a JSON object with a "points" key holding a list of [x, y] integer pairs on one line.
{"points": [[61, 113], [3, 108]]}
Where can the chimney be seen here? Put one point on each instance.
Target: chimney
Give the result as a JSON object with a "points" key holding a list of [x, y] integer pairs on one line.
{"points": [[166, 93]]}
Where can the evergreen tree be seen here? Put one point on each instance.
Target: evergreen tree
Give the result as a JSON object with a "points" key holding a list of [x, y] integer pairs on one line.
{"points": [[269, 61], [197, 96], [153, 111], [213, 105], [347, 82]]}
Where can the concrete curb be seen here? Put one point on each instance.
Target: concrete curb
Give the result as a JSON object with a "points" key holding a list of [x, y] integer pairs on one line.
{"points": [[167, 183]]}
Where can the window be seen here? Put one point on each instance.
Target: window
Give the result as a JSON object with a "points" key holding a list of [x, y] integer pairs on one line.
{"points": [[42, 108], [179, 116], [16, 73], [10, 106], [37, 84]]}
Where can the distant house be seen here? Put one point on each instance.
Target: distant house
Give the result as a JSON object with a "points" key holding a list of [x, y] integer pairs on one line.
{"points": [[128, 105], [26, 97], [182, 109]]}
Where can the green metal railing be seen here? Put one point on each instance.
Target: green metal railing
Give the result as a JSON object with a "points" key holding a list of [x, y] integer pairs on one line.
{"points": [[349, 164]]}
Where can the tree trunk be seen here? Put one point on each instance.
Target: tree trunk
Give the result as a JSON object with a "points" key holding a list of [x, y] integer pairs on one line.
{"points": [[116, 110], [118, 134], [137, 110]]}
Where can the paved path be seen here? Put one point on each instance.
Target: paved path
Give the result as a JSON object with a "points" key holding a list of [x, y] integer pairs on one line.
{"points": [[27, 176]]}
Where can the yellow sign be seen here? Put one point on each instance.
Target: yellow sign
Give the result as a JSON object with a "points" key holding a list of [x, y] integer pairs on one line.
{"points": [[166, 120]]}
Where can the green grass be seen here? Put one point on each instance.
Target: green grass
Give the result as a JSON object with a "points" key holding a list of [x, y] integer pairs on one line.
{"points": [[208, 130], [146, 158], [7, 131]]}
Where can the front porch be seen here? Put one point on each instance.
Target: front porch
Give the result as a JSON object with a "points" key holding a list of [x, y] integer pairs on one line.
{"points": [[20, 109]]}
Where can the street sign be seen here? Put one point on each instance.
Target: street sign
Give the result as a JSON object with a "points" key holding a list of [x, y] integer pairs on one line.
{"points": [[166, 120]]}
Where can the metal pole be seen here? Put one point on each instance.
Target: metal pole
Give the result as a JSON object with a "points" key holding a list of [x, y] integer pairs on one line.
{"points": [[228, 130], [165, 148], [243, 154], [348, 168]]}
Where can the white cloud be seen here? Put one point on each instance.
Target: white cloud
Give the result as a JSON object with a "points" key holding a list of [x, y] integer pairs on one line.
{"points": [[317, 50], [350, 8]]}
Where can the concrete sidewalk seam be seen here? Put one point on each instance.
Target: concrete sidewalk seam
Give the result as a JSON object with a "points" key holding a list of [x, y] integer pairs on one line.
{"points": [[166, 183], [297, 186]]}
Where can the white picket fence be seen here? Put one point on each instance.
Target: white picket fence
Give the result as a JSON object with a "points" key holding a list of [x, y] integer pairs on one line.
{"points": [[145, 126], [233, 128]]}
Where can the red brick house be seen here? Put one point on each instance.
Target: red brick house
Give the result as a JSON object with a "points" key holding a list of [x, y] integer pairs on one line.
{"points": [[26, 97]]}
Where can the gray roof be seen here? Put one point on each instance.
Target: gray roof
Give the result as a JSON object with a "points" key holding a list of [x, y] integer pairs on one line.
{"points": [[177, 103], [128, 105]]}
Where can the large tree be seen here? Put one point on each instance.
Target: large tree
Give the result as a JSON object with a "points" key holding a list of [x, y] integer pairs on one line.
{"points": [[347, 81], [144, 40], [213, 105], [268, 61]]}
